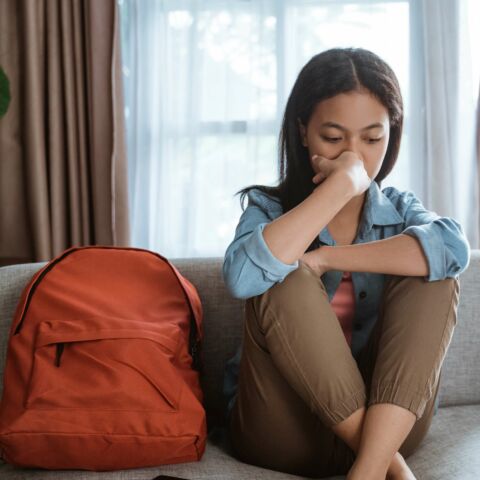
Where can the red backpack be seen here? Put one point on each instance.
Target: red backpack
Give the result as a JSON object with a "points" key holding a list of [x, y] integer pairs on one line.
{"points": [[103, 365]]}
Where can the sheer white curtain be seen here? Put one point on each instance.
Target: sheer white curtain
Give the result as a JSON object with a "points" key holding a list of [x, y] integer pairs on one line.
{"points": [[450, 47], [206, 83]]}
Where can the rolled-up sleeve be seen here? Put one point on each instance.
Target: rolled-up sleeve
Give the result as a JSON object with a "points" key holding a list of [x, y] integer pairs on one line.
{"points": [[249, 267], [442, 239], [258, 252]]}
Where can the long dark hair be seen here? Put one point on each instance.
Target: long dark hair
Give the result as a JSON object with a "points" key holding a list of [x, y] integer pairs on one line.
{"points": [[334, 71]]}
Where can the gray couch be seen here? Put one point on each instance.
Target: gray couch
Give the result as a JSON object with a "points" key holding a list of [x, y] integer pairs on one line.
{"points": [[451, 450]]}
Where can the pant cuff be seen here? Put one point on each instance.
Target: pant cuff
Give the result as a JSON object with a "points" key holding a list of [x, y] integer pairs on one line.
{"points": [[341, 411], [391, 392]]}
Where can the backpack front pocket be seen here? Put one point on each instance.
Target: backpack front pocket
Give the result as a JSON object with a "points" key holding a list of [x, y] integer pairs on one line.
{"points": [[105, 364]]}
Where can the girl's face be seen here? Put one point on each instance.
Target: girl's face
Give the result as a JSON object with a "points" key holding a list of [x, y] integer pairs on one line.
{"points": [[349, 121]]}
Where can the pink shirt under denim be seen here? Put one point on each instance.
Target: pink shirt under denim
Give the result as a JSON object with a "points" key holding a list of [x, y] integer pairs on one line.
{"points": [[343, 304]]}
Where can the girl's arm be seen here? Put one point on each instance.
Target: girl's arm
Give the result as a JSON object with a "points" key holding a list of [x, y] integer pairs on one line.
{"points": [[249, 268], [268, 244], [289, 235], [431, 246], [397, 255]]}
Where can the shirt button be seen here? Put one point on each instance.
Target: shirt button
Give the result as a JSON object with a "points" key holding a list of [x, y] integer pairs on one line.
{"points": [[362, 294]]}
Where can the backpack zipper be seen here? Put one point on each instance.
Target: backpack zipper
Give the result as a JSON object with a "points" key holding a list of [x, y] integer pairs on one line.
{"points": [[34, 286], [58, 354]]}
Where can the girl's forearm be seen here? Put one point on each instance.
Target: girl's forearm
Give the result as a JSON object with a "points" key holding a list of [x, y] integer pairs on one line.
{"points": [[397, 255], [289, 235]]}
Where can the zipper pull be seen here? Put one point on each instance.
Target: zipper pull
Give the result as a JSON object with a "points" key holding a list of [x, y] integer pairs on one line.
{"points": [[59, 353]]}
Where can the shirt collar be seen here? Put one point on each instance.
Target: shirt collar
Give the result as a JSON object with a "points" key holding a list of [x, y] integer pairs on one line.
{"points": [[377, 210]]}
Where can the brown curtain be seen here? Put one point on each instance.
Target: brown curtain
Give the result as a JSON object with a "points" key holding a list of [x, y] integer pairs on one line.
{"points": [[63, 170]]}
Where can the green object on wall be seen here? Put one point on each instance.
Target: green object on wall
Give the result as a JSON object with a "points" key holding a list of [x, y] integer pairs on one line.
{"points": [[4, 93]]}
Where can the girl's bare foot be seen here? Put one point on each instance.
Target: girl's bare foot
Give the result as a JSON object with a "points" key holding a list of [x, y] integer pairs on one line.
{"points": [[402, 470]]}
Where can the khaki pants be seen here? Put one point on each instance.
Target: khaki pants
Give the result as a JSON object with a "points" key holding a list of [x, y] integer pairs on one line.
{"points": [[298, 376]]}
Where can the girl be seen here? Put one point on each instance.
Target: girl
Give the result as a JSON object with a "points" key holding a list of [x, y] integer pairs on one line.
{"points": [[351, 291]]}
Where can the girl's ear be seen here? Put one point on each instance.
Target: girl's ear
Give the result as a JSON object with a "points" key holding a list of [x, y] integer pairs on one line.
{"points": [[303, 133]]}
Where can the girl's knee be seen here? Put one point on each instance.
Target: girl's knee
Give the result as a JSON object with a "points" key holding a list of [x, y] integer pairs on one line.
{"points": [[448, 283], [303, 279], [411, 290], [302, 286]]}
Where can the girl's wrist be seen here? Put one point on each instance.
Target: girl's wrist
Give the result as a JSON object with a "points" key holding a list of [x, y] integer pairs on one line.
{"points": [[322, 258]]}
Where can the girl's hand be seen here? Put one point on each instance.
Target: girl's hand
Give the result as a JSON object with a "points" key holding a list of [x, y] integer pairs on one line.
{"points": [[316, 260], [348, 164]]}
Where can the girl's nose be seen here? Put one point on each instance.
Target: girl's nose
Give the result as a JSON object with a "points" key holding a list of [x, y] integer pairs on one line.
{"points": [[353, 145]]}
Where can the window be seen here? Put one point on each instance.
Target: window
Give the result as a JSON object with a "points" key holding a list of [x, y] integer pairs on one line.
{"points": [[206, 83]]}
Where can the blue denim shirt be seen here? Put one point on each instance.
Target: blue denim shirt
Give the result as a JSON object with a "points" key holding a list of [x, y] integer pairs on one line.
{"points": [[250, 268]]}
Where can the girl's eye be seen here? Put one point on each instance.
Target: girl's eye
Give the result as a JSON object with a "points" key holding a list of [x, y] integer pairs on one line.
{"points": [[331, 139], [336, 139]]}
